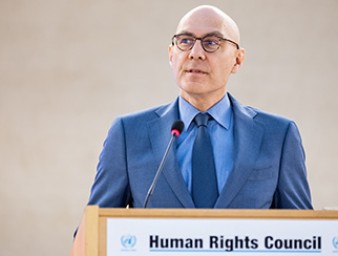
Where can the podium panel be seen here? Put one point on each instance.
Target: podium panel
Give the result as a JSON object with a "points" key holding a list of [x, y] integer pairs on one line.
{"points": [[191, 232]]}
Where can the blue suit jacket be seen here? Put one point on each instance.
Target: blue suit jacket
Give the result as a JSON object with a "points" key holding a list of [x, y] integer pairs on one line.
{"points": [[269, 169]]}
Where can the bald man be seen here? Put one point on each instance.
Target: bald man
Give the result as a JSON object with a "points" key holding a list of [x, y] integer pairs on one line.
{"points": [[237, 157]]}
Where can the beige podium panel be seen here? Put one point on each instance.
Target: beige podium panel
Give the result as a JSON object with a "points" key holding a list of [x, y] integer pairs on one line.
{"points": [[134, 232]]}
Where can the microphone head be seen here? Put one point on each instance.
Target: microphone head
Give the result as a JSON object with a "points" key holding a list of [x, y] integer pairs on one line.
{"points": [[177, 128]]}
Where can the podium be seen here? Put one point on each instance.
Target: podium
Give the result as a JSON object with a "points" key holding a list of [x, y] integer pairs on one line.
{"points": [[191, 232]]}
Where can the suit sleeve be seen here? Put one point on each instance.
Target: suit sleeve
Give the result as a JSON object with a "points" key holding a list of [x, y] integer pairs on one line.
{"points": [[293, 190], [110, 188]]}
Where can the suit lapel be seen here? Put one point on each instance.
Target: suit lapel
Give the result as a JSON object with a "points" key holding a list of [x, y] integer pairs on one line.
{"points": [[159, 134], [248, 136]]}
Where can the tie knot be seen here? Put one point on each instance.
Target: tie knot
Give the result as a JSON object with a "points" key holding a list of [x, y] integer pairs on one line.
{"points": [[202, 119]]}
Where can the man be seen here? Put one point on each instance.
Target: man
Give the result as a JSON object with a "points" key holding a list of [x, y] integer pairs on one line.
{"points": [[256, 159]]}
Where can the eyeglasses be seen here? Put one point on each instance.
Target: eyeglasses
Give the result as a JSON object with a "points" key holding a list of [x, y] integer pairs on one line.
{"points": [[210, 43]]}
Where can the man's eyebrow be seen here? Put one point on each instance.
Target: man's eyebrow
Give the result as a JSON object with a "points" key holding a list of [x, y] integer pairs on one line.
{"points": [[214, 33], [187, 33]]}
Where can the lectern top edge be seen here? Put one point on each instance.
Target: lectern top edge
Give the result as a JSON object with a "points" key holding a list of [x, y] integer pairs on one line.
{"points": [[216, 213]]}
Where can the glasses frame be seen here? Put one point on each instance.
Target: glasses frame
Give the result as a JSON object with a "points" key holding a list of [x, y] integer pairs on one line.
{"points": [[174, 42]]}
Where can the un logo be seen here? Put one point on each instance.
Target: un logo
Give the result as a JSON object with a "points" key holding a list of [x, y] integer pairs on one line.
{"points": [[128, 241], [335, 242]]}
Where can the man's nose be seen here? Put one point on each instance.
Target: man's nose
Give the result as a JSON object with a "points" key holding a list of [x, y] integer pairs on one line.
{"points": [[197, 51]]}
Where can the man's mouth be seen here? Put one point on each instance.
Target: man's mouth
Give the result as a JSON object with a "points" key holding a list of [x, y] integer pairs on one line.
{"points": [[196, 71]]}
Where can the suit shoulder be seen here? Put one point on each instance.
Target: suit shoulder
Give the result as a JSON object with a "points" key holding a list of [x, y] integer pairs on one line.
{"points": [[262, 114], [143, 116], [258, 115], [144, 113], [272, 121]]}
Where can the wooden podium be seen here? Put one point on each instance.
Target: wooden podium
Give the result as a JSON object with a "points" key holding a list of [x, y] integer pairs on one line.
{"points": [[206, 232]]}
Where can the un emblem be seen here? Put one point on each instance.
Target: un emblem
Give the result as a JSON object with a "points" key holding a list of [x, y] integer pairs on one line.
{"points": [[335, 242], [128, 241]]}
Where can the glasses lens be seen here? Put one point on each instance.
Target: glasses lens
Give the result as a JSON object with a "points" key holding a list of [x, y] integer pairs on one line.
{"points": [[184, 42], [211, 44]]}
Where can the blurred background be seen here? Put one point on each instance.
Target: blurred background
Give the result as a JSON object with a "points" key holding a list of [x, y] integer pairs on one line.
{"points": [[69, 67]]}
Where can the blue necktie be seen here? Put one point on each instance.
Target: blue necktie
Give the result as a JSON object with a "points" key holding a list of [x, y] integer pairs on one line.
{"points": [[204, 181]]}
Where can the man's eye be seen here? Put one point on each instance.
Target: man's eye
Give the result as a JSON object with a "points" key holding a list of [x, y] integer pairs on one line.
{"points": [[210, 42], [186, 40]]}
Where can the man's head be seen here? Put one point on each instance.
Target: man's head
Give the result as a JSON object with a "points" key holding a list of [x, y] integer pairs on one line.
{"points": [[202, 72]]}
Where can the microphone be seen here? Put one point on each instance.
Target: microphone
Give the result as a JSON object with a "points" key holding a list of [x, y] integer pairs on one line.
{"points": [[176, 129]]}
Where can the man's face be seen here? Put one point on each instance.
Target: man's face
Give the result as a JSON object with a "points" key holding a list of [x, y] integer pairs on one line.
{"points": [[199, 74]]}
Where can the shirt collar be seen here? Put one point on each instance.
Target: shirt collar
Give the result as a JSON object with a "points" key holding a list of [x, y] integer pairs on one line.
{"points": [[221, 112]]}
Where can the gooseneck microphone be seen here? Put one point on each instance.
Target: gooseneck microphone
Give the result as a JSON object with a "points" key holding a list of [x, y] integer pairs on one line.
{"points": [[176, 130]]}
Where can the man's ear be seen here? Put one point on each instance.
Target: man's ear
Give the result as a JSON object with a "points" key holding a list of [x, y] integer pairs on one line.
{"points": [[170, 51], [239, 60]]}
